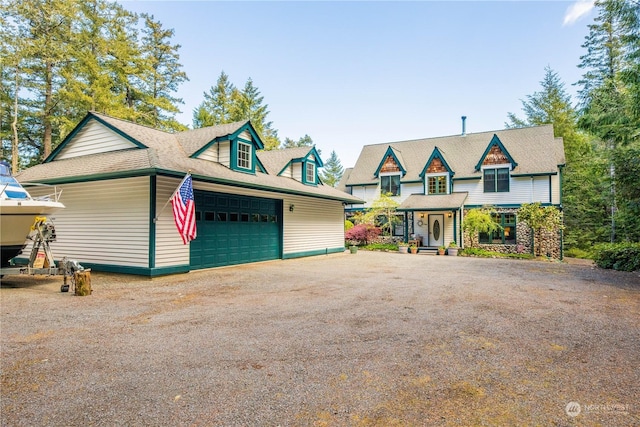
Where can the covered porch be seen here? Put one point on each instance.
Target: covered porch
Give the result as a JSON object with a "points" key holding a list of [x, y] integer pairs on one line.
{"points": [[432, 221]]}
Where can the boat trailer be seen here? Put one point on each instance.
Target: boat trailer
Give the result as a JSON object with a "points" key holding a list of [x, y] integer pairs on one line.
{"points": [[41, 261]]}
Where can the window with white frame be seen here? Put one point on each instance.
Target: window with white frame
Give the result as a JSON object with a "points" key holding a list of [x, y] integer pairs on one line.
{"points": [[310, 173], [244, 155]]}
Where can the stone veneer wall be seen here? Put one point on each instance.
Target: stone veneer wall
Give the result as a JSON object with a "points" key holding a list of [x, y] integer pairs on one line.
{"points": [[549, 243]]}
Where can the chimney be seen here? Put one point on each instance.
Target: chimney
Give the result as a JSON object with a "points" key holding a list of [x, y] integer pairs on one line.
{"points": [[464, 125]]}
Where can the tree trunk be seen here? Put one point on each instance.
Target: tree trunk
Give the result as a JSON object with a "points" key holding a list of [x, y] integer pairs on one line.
{"points": [[83, 283], [15, 156]]}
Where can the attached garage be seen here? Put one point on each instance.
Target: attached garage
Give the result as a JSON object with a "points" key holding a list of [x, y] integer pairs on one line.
{"points": [[235, 229], [251, 205]]}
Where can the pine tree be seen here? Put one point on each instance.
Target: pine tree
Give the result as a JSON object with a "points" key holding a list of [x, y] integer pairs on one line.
{"points": [[304, 141], [609, 95], [332, 171], [160, 78], [216, 107]]}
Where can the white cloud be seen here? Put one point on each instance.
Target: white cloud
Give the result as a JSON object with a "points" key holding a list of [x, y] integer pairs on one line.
{"points": [[576, 11]]}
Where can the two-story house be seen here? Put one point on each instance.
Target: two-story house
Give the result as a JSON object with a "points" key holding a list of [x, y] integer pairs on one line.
{"points": [[437, 180]]}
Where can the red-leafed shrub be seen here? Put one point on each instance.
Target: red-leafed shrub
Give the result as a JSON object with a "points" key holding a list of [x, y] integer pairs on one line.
{"points": [[362, 234]]}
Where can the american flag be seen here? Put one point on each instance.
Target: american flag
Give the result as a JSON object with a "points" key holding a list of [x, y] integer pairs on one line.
{"points": [[184, 210]]}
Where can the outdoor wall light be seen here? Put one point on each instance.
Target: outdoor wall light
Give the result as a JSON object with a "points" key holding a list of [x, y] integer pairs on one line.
{"points": [[421, 215], [291, 207], [449, 215]]}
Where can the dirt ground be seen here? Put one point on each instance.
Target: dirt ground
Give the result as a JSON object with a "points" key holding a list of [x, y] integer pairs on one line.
{"points": [[366, 339]]}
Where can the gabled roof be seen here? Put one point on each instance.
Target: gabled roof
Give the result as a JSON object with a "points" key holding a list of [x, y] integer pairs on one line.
{"points": [[436, 155], [196, 141], [162, 153], [536, 150], [495, 142], [396, 155], [275, 161]]}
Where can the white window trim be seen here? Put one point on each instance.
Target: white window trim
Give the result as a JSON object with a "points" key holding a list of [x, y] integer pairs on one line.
{"points": [[432, 175], [239, 159], [398, 174], [306, 172]]}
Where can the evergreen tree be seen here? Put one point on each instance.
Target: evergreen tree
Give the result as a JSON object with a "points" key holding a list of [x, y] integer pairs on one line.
{"points": [[226, 104], [332, 171], [609, 97], [304, 141], [217, 105], [161, 77]]}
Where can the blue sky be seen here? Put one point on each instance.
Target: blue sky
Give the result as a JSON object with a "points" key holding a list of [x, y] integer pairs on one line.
{"points": [[354, 73]]}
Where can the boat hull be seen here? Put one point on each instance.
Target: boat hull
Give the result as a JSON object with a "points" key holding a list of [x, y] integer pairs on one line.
{"points": [[16, 219]]}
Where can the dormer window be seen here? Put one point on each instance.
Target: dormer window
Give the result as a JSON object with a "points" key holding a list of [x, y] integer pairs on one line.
{"points": [[244, 155], [496, 180], [390, 184], [310, 172]]}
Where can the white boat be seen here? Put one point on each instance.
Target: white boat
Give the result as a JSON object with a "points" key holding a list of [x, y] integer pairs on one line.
{"points": [[18, 211]]}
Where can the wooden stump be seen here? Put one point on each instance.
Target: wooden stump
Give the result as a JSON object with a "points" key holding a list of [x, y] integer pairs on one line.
{"points": [[83, 282]]}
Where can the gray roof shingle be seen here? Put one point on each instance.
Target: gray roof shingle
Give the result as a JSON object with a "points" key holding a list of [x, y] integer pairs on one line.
{"points": [[166, 153], [535, 150]]}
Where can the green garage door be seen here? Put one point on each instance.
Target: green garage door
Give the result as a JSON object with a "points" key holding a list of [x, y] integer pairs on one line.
{"points": [[235, 230]]}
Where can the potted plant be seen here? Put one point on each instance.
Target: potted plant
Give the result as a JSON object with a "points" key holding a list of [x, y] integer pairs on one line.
{"points": [[353, 249], [441, 250], [403, 248], [414, 249], [453, 249]]}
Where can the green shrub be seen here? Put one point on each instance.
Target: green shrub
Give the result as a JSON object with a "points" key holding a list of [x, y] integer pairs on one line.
{"points": [[381, 247], [578, 253], [348, 225], [618, 256], [490, 254]]}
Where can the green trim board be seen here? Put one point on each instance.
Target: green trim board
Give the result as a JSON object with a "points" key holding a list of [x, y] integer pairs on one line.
{"points": [[506, 206], [152, 220], [521, 175], [468, 178], [390, 152], [90, 116], [316, 252], [495, 141], [126, 269]]}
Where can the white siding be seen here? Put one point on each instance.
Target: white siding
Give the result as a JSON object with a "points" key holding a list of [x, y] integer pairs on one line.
{"points": [[555, 189], [92, 139], [521, 190], [245, 135], [314, 225], [224, 156], [370, 193], [296, 171], [286, 172], [170, 250], [210, 154], [104, 222]]}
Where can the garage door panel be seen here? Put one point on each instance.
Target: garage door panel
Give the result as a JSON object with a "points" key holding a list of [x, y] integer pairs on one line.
{"points": [[235, 229]]}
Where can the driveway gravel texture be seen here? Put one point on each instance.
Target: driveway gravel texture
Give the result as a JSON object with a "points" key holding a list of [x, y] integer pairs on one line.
{"points": [[366, 339]]}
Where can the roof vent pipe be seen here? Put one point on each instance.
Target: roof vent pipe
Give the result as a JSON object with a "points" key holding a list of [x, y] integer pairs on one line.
{"points": [[464, 125]]}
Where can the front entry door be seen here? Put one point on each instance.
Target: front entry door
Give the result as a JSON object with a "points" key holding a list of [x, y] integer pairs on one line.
{"points": [[436, 230]]}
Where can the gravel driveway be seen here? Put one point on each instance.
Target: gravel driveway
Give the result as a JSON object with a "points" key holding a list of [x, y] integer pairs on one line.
{"points": [[366, 339]]}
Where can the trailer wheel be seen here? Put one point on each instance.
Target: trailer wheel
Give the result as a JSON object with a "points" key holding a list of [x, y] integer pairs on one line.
{"points": [[64, 288]]}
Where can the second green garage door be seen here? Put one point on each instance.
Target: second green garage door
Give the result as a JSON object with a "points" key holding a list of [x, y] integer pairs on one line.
{"points": [[235, 230]]}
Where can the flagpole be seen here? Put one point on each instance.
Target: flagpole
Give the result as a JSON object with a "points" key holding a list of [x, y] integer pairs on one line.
{"points": [[155, 220]]}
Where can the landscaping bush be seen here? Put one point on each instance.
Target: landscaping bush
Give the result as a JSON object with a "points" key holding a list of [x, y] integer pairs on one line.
{"points": [[362, 234], [482, 253], [618, 256], [389, 247]]}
